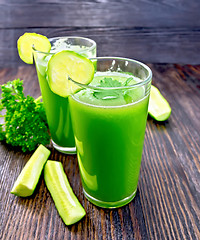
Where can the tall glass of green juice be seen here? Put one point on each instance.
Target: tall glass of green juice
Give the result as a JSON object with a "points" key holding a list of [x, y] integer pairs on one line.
{"points": [[109, 119], [57, 107]]}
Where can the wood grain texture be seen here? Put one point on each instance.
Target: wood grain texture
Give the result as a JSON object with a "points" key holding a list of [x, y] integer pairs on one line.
{"points": [[161, 31], [161, 45], [145, 13], [167, 204]]}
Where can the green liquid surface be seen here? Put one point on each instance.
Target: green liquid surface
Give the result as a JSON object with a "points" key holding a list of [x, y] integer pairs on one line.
{"points": [[57, 107], [109, 132], [57, 111]]}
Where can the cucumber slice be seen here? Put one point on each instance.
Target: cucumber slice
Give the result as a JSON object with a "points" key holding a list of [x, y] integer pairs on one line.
{"points": [[66, 202], [26, 182], [26, 42], [66, 64], [159, 108]]}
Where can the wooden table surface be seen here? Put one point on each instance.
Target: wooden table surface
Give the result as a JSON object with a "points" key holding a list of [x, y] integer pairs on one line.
{"points": [[167, 204]]}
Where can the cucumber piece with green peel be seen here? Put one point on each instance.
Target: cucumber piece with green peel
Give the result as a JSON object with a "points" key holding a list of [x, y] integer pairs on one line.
{"points": [[65, 64], [158, 108], [67, 204], [26, 182], [26, 42]]}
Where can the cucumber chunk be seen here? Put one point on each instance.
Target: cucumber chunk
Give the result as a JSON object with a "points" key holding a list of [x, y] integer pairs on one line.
{"points": [[25, 46], [26, 182], [159, 108], [58, 185], [66, 64]]}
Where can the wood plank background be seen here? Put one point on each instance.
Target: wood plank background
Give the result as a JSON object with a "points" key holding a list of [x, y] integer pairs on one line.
{"points": [[162, 31], [167, 204]]}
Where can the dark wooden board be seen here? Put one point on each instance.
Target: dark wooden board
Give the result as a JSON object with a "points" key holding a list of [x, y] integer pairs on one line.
{"points": [[161, 45], [161, 31], [129, 13], [167, 202]]}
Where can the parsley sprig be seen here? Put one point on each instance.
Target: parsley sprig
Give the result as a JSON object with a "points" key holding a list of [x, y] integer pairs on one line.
{"points": [[109, 82], [25, 123]]}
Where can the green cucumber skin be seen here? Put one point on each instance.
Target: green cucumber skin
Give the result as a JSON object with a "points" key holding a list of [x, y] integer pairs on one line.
{"points": [[24, 187], [67, 204], [163, 116], [54, 62]]}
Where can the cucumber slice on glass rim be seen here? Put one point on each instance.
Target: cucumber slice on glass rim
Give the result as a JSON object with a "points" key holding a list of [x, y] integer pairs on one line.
{"points": [[26, 42], [68, 64]]}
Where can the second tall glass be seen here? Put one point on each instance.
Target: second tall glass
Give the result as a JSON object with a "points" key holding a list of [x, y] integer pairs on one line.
{"points": [[56, 107], [109, 119]]}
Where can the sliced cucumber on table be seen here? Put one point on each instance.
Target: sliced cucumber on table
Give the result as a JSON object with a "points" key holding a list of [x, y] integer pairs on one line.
{"points": [[159, 108], [26, 182], [66, 202]]}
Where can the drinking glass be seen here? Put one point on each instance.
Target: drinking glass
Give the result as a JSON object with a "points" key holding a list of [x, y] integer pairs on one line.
{"points": [[109, 120], [56, 107]]}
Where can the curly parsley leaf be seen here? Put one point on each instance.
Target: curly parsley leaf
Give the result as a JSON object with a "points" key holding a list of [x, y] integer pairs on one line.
{"points": [[128, 80], [108, 94], [109, 82], [25, 123]]}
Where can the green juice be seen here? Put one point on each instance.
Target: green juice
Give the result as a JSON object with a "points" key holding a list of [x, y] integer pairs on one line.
{"points": [[57, 111], [57, 107], [109, 133]]}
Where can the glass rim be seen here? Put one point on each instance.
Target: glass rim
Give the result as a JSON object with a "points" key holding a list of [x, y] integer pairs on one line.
{"points": [[67, 37], [138, 84]]}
